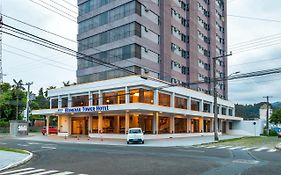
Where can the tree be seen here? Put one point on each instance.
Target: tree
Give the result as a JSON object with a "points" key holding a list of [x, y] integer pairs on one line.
{"points": [[67, 83], [276, 117], [49, 88], [18, 86]]}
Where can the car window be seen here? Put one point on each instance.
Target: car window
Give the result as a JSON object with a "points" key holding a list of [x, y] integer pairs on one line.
{"points": [[134, 131]]}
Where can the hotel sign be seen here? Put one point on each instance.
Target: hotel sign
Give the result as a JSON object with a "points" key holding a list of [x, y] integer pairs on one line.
{"points": [[84, 109]]}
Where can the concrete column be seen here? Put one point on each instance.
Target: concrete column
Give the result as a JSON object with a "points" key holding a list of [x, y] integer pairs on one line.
{"points": [[156, 123], [155, 98], [227, 110], [233, 112], [50, 103], [172, 100], [127, 95], [201, 106], [220, 109], [69, 120], [48, 124], [90, 96], [201, 124], [90, 124], [220, 125], [69, 101], [58, 123], [189, 103], [100, 98], [188, 123], [172, 124], [100, 123], [59, 102], [127, 122]]}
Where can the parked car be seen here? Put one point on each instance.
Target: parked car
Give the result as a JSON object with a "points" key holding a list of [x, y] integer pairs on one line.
{"points": [[135, 135], [52, 130]]}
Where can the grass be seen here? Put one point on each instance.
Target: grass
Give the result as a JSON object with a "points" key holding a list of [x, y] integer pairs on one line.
{"points": [[14, 150], [262, 141]]}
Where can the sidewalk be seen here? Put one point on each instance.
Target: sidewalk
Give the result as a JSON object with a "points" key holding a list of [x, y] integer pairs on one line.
{"points": [[10, 159], [165, 140]]}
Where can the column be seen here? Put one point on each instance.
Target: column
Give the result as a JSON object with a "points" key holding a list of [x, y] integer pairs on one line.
{"points": [[220, 125], [156, 123], [201, 106], [48, 124], [90, 124], [58, 123], [59, 102], [127, 122], [50, 103], [90, 96], [172, 100], [220, 109], [155, 97], [100, 98], [69, 101], [172, 124], [189, 103], [201, 124], [100, 123], [233, 112], [227, 110], [188, 123], [69, 125], [127, 95]]}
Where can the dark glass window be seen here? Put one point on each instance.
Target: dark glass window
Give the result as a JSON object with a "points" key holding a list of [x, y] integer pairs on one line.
{"points": [[80, 101]]}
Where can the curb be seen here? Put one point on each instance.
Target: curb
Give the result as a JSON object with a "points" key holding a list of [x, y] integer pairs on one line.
{"points": [[12, 165]]}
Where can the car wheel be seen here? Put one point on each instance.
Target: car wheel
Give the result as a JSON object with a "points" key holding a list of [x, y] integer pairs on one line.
{"points": [[142, 142], [43, 133], [128, 142]]}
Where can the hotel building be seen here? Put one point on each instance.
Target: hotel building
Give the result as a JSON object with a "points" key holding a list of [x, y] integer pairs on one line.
{"points": [[172, 40], [114, 106]]}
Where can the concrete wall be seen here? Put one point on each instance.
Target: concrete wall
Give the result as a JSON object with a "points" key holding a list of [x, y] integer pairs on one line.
{"points": [[246, 128]]}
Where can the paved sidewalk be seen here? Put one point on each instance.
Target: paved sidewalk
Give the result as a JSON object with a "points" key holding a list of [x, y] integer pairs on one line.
{"points": [[150, 140], [10, 159]]}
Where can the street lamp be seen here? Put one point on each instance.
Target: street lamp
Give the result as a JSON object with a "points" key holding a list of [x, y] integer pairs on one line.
{"points": [[216, 135]]}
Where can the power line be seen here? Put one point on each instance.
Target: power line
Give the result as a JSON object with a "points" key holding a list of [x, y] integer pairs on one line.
{"points": [[69, 3], [254, 18], [53, 11], [64, 7]]}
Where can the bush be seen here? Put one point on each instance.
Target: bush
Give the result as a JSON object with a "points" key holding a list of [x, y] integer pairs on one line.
{"points": [[271, 132], [4, 123]]}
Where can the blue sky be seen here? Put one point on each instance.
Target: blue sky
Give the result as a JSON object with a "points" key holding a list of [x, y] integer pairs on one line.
{"points": [[58, 67]]}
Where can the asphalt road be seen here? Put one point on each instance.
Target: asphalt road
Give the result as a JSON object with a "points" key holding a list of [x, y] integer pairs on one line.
{"points": [[104, 160]]}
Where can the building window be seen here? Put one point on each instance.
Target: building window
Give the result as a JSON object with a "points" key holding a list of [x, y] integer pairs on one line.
{"points": [[95, 99], [80, 101], [114, 97], [206, 107], [164, 99], [54, 103], [64, 102], [141, 96], [195, 105], [180, 103]]}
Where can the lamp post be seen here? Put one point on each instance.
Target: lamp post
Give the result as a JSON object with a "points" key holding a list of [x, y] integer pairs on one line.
{"points": [[216, 134]]}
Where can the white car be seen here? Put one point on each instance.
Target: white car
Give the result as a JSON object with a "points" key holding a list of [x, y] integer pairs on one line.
{"points": [[135, 135]]}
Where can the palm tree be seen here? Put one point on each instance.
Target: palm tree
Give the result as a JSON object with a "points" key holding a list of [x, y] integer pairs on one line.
{"points": [[17, 87], [49, 88]]}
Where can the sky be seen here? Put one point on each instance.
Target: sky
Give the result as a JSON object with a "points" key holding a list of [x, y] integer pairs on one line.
{"points": [[247, 39]]}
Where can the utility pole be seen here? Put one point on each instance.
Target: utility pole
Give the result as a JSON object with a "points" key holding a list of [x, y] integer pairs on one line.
{"points": [[267, 114], [27, 100], [216, 134]]}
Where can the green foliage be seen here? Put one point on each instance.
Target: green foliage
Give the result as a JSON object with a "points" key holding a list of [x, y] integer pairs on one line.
{"points": [[4, 123], [248, 111], [276, 116], [271, 132]]}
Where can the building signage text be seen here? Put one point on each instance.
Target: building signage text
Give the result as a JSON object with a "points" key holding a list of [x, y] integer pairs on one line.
{"points": [[84, 109]]}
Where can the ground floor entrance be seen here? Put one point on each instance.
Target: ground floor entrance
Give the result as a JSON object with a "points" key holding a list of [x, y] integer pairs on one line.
{"points": [[150, 123]]}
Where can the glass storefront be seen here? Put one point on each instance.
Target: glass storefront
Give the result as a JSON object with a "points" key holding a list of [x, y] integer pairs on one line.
{"points": [[164, 125], [80, 101], [141, 96], [164, 99], [180, 125]]}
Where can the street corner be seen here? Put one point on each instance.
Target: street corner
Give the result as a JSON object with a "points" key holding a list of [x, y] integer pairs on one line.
{"points": [[11, 158]]}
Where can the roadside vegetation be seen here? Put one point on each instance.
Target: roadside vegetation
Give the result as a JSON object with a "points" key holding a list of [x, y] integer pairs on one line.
{"points": [[262, 141]]}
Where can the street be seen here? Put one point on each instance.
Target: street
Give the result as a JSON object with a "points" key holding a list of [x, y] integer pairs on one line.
{"points": [[100, 159]]}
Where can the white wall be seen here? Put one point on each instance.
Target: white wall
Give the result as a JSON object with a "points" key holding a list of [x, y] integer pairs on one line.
{"points": [[247, 128]]}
